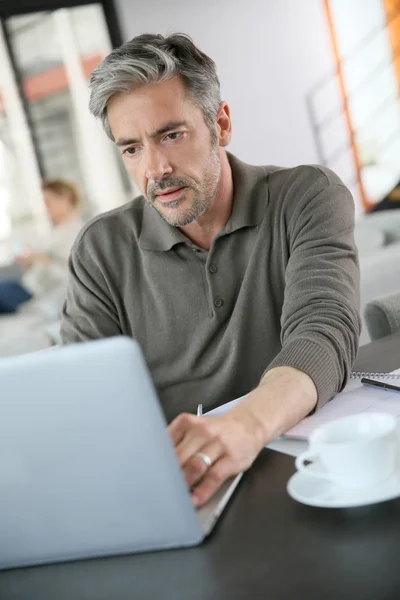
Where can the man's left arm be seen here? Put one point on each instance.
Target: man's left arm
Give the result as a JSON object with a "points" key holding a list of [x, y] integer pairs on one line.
{"points": [[320, 330]]}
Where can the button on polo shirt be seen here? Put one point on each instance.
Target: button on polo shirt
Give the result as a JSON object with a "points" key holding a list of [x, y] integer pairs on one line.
{"points": [[213, 286]]}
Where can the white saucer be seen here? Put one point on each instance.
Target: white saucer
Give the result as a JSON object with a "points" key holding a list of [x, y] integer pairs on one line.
{"points": [[317, 492]]}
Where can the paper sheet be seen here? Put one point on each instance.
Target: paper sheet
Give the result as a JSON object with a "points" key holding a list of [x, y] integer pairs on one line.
{"points": [[221, 410], [355, 398]]}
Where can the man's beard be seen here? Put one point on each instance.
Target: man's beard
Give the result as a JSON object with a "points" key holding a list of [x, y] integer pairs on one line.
{"points": [[203, 194]]}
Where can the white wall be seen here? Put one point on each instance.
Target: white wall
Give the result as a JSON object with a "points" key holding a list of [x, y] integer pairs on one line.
{"points": [[269, 54]]}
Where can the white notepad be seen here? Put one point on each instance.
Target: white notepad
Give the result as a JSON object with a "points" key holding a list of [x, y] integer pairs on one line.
{"points": [[354, 399]]}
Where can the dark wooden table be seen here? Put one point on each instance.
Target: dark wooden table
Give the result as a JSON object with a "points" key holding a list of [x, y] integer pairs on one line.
{"points": [[266, 546]]}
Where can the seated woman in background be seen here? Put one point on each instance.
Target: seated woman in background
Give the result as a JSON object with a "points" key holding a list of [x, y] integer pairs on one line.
{"points": [[45, 271]]}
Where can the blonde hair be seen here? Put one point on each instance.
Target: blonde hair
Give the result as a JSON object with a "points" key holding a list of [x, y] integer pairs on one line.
{"points": [[61, 187]]}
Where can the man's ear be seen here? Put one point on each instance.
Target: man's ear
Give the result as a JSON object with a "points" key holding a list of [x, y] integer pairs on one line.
{"points": [[224, 124]]}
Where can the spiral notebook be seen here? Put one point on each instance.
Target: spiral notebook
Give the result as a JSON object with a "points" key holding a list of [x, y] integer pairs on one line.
{"points": [[354, 399]]}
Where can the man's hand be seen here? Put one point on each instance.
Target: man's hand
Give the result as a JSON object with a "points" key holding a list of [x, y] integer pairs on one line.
{"points": [[233, 441]]}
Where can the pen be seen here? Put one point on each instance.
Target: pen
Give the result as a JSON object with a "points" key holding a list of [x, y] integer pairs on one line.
{"points": [[199, 410], [380, 384]]}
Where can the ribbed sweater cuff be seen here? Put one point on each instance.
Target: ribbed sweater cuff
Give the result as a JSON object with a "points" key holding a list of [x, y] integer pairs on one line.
{"points": [[309, 357]]}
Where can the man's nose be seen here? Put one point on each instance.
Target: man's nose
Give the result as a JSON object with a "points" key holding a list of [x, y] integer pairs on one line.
{"points": [[157, 165]]}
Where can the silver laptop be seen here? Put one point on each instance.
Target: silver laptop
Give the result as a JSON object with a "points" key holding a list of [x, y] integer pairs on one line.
{"points": [[87, 467]]}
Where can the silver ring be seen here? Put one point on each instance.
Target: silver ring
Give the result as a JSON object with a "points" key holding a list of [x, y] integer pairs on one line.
{"points": [[205, 458]]}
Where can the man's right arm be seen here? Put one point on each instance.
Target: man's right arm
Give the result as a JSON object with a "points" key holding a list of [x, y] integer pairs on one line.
{"points": [[89, 311]]}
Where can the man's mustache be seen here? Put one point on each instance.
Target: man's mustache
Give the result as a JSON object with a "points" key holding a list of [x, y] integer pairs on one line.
{"points": [[164, 184]]}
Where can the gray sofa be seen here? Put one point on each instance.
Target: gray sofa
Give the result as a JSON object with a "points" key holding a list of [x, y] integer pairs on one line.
{"points": [[382, 316], [378, 240]]}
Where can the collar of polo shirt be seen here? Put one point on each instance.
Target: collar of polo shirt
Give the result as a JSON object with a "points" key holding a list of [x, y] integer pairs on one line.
{"points": [[248, 209]]}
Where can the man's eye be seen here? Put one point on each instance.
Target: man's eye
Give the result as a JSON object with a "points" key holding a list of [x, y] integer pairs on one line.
{"points": [[130, 151], [175, 136]]}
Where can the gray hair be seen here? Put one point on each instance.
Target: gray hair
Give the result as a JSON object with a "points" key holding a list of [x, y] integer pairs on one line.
{"points": [[149, 59]]}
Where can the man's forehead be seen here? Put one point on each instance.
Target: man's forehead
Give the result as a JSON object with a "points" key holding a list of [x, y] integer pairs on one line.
{"points": [[165, 95], [130, 118]]}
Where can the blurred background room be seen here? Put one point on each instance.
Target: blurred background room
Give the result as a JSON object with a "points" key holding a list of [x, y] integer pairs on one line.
{"points": [[308, 82]]}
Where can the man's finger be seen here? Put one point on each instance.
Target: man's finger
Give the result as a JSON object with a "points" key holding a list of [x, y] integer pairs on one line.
{"points": [[196, 467], [200, 434], [212, 481], [189, 433], [180, 426]]}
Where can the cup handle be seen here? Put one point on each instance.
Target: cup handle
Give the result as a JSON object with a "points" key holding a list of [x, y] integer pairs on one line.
{"points": [[310, 455]]}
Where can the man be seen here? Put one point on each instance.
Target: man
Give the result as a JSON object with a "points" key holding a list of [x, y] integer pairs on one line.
{"points": [[234, 279]]}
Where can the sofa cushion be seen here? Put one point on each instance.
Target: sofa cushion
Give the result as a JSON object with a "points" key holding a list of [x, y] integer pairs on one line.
{"points": [[380, 276], [382, 315]]}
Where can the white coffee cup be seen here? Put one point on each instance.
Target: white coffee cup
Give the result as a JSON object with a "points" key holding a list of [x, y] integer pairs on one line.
{"points": [[354, 451]]}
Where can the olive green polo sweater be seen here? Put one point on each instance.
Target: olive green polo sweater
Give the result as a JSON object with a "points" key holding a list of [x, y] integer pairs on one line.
{"points": [[279, 286]]}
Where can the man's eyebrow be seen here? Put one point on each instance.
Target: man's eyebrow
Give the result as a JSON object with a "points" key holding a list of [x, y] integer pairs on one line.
{"points": [[167, 127]]}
